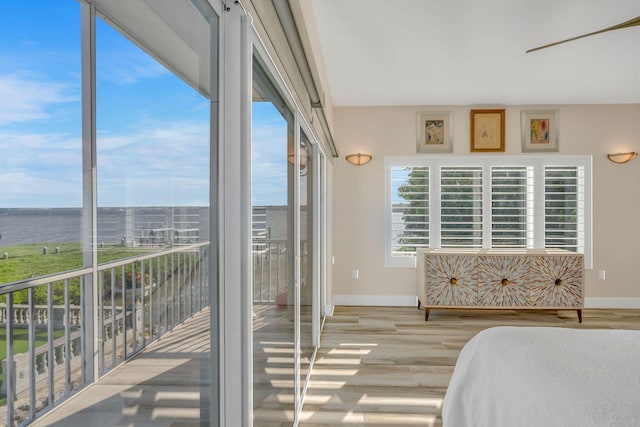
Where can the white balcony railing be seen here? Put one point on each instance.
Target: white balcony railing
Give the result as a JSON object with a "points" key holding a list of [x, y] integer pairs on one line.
{"points": [[272, 270], [139, 300]]}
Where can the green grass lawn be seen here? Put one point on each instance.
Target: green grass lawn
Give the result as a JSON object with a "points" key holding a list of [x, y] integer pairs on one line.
{"points": [[21, 340], [21, 345], [28, 261]]}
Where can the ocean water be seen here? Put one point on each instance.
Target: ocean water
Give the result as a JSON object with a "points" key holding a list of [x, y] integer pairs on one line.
{"points": [[133, 224]]}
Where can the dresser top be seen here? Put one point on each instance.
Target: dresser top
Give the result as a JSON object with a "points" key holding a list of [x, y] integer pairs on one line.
{"points": [[497, 252]]}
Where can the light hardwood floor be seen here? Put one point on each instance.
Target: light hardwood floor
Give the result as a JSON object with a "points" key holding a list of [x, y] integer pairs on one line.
{"points": [[388, 367], [378, 366]]}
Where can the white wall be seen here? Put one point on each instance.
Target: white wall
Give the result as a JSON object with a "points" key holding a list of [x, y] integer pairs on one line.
{"points": [[358, 195]]}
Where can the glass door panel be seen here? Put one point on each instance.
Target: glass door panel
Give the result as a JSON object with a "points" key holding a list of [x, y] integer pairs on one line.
{"points": [[273, 252], [307, 217]]}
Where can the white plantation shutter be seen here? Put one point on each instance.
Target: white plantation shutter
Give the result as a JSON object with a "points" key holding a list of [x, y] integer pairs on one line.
{"points": [[511, 206], [487, 202], [461, 207], [564, 208], [409, 209]]}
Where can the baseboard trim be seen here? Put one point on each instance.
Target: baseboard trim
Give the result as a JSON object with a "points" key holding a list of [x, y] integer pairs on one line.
{"points": [[612, 302], [328, 310], [377, 300], [411, 301]]}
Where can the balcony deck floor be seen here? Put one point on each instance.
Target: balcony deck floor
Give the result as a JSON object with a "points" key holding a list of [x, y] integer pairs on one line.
{"points": [[163, 386]]}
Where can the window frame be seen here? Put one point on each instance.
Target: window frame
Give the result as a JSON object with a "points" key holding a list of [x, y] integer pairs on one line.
{"points": [[537, 162]]}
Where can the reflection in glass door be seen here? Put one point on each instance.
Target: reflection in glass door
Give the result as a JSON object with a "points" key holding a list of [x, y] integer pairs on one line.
{"points": [[307, 217], [273, 252], [286, 240]]}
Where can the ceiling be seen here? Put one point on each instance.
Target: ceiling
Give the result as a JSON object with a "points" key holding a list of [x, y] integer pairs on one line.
{"points": [[470, 52]]}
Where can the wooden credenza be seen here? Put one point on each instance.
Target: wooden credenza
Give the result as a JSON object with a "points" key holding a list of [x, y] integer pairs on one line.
{"points": [[500, 279]]}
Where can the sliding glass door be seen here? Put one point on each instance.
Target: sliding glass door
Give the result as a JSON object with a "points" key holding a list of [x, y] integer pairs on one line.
{"points": [[285, 237], [307, 218], [273, 251]]}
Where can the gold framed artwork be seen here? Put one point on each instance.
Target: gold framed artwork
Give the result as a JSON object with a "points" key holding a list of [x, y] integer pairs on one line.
{"points": [[539, 131], [487, 130], [434, 132]]}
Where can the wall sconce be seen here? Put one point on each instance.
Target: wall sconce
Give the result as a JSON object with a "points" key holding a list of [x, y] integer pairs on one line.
{"points": [[620, 158], [359, 159], [291, 158]]}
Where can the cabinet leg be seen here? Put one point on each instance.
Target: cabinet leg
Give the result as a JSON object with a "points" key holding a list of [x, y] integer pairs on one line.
{"points": [[579, 316], [419, 303], [426, 314]]}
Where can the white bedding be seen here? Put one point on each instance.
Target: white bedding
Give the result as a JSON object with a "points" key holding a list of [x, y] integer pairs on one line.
{"points": [[539, 376]]}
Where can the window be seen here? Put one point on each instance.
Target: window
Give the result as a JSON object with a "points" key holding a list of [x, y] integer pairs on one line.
{"points": [[511, 206], [410, 210], [563, 203], [461, 207], [487, 202]]}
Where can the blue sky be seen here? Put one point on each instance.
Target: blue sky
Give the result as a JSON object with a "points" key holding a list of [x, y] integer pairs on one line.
{"points": [[152, 128]]}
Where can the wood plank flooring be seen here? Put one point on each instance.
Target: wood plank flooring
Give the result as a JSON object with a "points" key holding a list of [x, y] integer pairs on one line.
{"points": [[380, 366]]}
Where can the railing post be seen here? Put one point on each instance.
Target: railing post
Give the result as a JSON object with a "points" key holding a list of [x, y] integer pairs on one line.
{"points": [[32, 354], [123, 299], [8, 367], [179, 289], [100, 321], [144, 313], [191, 270], [50, 358], [158, 306], [150, 286], [134, 308], [113, 317], [67, 338], [166, 301]]}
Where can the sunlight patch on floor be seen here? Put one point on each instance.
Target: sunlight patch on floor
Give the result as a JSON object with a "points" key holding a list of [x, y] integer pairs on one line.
{"points": [[317, 399], [281, 343], [173, 413], [288, 384], [335, 372], [326, 361], [279, 371], [177, 395], [327, 385], [401, 401], [349, 344], [284, 360], [284, 398], [360, 351], [279, 350]]}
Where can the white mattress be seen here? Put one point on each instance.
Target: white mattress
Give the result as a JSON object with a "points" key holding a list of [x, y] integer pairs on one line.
{"points": [[539, 376]]}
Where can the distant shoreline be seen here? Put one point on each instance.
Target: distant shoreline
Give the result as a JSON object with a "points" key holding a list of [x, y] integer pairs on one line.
{"points": [[116, 225]]}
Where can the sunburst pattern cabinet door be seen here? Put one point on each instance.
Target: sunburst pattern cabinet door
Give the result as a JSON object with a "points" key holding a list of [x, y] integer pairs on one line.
{"points": [[556, 281], [503, 281], [451, 280]]}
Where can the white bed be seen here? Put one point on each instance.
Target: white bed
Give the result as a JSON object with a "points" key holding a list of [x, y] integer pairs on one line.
{"points": [[540, 376]]}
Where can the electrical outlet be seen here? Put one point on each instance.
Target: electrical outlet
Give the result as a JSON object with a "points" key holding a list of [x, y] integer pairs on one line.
{"points": [[355, 273], [602, 274]]}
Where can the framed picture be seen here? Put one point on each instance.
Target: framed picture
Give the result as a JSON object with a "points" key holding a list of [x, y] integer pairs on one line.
{"points": [[487, 130], [435, 133], [539, 131]]}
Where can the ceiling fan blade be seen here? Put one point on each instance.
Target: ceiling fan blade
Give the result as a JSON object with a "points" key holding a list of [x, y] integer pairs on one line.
{"points": [[627, 24]]}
